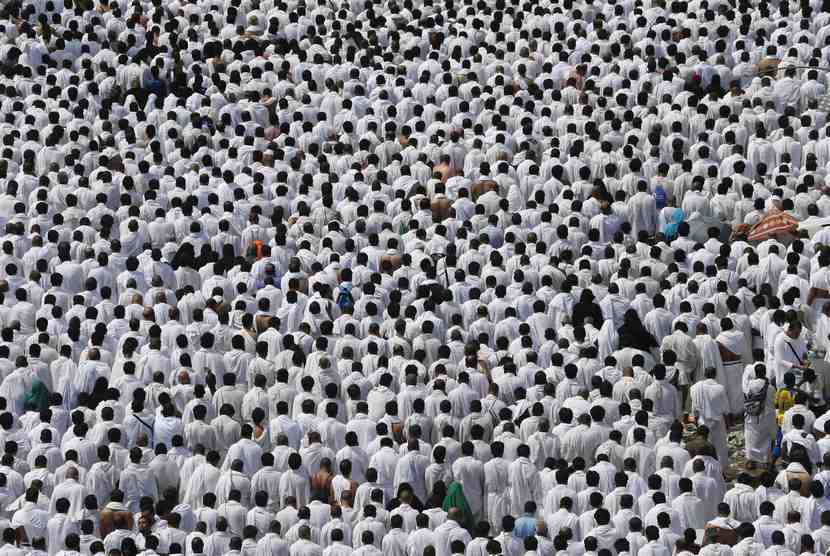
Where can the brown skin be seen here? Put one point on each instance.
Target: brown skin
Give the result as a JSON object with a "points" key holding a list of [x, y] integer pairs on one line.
{"points": [[145, 521], [482, 187], [440, 209], [322, 481], [115, 520], [20, 536]]}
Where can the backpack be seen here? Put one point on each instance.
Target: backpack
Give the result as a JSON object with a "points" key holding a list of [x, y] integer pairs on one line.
{"points": [[754, 403], [345, 300]]}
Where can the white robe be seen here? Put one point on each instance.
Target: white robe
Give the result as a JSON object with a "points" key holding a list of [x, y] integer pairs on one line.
{"points": [[166, 471], [560, 519], [295, 483], [759, 430], [691, 510], [743, 501], [164, 428], [445, 534], [734, 341], [497, 491], [469, 472], [748, 547], [232, 480], [666, 399], [577, 442], [249, 452], [394, 543], [272, 545], [789, 353], [411, 469], [202, 481], [709, 357], [136, 481], [58, 527], [100, 481], [524, 484], [710, 403], [643, 213], [608, 340], [688, 355], [33, 518], [267, 480]]}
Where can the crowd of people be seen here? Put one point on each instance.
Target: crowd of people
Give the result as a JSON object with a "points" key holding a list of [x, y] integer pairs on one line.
{"points": [[414, 278]]}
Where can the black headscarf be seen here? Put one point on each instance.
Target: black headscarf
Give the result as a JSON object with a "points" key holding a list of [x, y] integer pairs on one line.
{"points": [[184, 257], [415, 502], [586, 308], [633, 334]]}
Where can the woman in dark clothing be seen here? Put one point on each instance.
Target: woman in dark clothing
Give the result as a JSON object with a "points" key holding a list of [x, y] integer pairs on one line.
{"points": [[184, 257], [439, 492], [228, 258], [586, 308], [206, 256], [633, 334], [405, 495], [100, 392]]}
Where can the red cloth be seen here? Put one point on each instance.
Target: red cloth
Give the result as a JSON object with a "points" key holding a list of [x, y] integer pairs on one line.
{"points": [[775, 222]]}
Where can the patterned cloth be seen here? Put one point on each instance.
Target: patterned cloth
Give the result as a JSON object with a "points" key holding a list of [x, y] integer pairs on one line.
{"points": [[775, 222]]}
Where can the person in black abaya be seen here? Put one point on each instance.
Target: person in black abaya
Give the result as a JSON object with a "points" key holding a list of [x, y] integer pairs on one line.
{"points": [[633, 334], [184, 257], [405, 494], [587, 307]]}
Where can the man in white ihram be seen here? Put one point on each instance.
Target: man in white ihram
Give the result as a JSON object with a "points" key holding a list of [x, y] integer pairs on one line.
{"points": [[450, 531], [710, 405], [73, 491], [790, 351]]}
